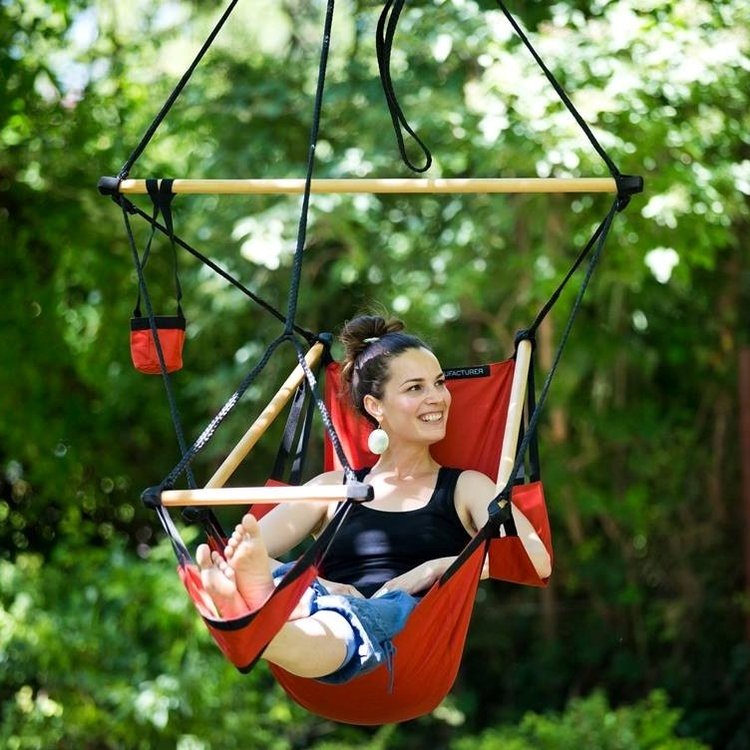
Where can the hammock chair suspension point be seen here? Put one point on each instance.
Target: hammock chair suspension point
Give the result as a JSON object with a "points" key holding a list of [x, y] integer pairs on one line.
{"points": [[111, 186]]}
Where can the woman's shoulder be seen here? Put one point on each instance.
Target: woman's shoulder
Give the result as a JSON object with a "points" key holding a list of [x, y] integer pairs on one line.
{"points": [[473, 477], [473, 484], [327, 477]]}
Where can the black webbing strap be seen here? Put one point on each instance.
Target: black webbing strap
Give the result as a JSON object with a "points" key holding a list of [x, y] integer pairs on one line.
{"points": [[290, 458], [160, 192], [532, 472], [386, 31], [152, 128]]}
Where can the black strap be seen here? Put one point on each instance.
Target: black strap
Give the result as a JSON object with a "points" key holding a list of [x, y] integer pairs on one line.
{"points": [[290, 460], [160, 192], [152, 128]]}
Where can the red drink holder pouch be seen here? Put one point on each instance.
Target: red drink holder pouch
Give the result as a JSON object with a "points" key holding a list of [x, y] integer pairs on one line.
{"points": [[170, 330]]}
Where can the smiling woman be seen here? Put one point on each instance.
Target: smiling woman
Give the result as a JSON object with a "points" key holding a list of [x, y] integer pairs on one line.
{"points": [[386, 553]]}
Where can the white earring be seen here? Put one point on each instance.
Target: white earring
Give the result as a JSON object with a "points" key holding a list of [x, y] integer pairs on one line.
{"points": [[378, 441]]}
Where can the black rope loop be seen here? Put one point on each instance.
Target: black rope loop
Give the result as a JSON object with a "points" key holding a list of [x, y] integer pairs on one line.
{"points": [[385, 33]]}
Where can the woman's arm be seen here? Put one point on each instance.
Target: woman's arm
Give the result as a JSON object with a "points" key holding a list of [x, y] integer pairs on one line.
{"points": [[473, 494], [288, 524]]}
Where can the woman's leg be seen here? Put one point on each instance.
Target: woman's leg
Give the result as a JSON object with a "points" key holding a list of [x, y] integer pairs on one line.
{"points": [[311, 646]]}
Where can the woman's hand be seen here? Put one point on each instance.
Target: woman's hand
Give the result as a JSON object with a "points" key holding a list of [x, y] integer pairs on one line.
{"points": [[341, 589], [418, 579]]}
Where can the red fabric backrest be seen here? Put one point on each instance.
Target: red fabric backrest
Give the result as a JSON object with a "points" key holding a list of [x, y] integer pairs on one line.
{"points": [[474, 437], [476, 423]]}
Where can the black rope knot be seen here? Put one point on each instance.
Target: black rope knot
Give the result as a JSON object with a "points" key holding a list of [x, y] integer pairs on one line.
{"points": [[525, 334]]}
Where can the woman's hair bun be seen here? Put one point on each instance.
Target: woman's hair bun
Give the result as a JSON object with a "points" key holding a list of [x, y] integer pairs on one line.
{"points": [[359, 333]]}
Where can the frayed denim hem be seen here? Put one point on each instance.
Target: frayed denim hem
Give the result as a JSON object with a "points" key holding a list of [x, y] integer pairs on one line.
{"points": [[375, 622]]}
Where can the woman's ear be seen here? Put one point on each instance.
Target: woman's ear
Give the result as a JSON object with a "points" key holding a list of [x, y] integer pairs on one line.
{"points": [[373, 407]]}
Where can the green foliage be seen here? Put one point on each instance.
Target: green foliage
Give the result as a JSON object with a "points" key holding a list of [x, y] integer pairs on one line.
{"points": [[591, 722], [102, 650]]}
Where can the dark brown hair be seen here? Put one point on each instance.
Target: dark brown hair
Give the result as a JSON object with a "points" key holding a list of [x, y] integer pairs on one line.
{"points": [[370, 342]]}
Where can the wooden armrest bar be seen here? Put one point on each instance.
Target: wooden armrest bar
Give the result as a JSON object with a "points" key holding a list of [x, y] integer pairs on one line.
{"points": [[264, 421], [515, 413], [266, 495], [385, 185]]}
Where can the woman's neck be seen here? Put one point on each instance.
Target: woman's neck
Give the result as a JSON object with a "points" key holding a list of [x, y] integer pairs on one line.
{"points": [[406, 463]]}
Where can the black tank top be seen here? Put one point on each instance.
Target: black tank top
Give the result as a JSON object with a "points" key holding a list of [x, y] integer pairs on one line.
{"points": [[372, 546]]}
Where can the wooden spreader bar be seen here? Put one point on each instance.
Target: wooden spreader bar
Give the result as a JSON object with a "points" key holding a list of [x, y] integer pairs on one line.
{"points": [[110, 185], [516, 403]]}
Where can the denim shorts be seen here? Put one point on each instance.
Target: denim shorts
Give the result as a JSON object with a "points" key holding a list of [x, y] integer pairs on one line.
{"points": [[375, 623]]}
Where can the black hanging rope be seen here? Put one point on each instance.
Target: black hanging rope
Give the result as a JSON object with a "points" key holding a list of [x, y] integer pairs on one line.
{"points": [[500, 509], [152, 128], [293, 296], [548, 305], [614, 171], [144, 293]]}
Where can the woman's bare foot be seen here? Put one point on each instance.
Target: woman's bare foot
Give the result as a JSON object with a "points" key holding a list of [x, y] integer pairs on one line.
{"points": [[246, 554], [218, 580]]}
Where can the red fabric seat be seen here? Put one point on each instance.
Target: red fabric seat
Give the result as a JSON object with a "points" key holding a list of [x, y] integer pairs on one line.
{"points": [[428, 650]]}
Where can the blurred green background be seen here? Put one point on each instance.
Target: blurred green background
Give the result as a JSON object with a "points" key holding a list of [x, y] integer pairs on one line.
{"points": [[642, 639]]}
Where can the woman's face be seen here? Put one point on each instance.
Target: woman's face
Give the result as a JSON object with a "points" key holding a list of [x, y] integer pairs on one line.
{"points": [[415, 400]]}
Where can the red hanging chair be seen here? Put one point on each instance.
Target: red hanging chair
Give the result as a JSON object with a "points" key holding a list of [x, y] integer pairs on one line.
{"points": [[428, 650]]}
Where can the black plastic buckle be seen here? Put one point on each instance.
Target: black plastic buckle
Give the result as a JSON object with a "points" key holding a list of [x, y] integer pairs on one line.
{"points": [[359, 492]]}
